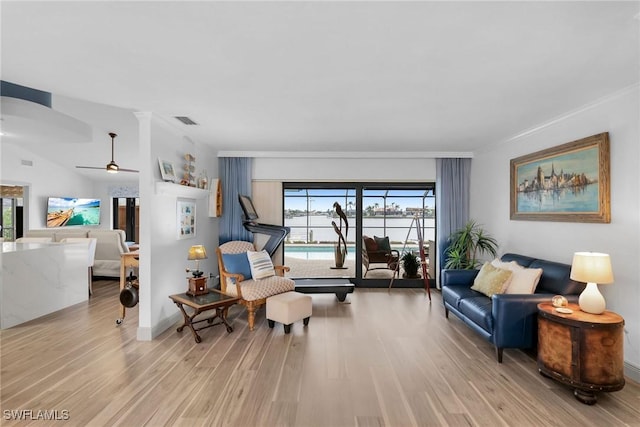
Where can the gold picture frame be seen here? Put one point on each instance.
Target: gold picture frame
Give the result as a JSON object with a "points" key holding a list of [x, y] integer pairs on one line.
{"points": [[569, 182]]}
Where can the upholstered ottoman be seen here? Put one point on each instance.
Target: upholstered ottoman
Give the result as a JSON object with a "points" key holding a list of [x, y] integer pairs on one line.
{"points": [[287, 308]]}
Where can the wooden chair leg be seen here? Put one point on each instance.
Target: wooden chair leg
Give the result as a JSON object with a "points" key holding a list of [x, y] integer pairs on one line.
{"points": [[251, 309]]}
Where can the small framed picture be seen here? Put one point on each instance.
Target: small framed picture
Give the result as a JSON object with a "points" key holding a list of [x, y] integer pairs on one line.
{"points": [[186, 210], [167, 171]]}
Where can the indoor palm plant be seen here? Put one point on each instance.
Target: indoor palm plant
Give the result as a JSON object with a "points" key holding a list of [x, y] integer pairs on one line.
{"points": [[466, 244], [410, 264]]}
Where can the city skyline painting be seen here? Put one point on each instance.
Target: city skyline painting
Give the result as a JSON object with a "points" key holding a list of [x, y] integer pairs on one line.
{"points": [[569, 182]]}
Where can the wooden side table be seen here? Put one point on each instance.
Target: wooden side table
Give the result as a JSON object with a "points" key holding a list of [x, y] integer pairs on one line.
{"points": [[213, 300], [582, 350]]}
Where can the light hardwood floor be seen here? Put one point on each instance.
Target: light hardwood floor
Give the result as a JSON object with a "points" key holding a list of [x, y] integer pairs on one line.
{"points": [[380, 360]]}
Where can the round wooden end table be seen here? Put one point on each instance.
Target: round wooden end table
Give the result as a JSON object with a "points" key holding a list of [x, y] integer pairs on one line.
{"points": [[582, 350]]}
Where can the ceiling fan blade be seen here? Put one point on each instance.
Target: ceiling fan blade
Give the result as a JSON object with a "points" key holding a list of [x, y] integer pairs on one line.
{"points": [[111, 166], [90, 167]]}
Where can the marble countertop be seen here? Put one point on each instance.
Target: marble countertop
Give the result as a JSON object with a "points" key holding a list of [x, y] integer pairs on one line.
{"points": [[8, 247]]}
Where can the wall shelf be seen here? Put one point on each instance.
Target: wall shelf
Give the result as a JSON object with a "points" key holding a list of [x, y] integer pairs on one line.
{"points": [[172, 189]]}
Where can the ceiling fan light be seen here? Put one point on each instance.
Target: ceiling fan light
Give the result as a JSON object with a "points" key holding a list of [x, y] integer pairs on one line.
{"points": [[112, 167]]}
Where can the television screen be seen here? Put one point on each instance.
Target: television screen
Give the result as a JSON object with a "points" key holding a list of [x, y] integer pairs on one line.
{"points": [[68, 211], [249, 210]]}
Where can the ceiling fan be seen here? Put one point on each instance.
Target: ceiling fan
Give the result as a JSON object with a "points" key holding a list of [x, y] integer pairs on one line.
{"points": [[111, 167]]}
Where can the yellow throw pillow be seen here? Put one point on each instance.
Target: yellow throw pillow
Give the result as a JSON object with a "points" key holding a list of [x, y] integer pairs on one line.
{"points": [[491, 280]]}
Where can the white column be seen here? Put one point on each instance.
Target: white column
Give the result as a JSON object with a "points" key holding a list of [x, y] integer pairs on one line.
{"points": [[146, 186]]}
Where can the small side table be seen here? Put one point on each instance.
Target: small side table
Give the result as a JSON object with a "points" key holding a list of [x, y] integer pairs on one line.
{"points": [[582, 350], [214, 300]]}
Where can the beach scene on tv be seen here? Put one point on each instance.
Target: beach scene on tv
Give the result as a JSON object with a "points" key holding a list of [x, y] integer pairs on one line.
{"points": [[67, 211]]}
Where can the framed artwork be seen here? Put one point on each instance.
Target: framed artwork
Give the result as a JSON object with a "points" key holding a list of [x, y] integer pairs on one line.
{"points": [[569, 182], [186, 209], [167, 171]]}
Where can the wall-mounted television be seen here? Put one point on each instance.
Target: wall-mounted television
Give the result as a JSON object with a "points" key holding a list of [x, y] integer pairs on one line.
{"points": [[70, 211]]}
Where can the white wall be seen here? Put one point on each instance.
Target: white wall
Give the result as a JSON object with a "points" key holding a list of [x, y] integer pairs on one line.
{"points": [[167, 253], [557, 241], [345, 170], [43, 179]]}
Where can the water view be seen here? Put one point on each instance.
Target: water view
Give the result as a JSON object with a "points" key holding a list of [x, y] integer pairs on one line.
{"points": [[318, 229]]}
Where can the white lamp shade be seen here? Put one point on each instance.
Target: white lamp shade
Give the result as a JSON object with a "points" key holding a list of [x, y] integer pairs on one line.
{"points": [[591, 267]]}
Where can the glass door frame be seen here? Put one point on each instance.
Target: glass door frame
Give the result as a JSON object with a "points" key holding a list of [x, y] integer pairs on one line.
{"points": [[358, 280]]}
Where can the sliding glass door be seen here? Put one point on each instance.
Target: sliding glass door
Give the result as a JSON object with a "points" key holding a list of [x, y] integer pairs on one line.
{"points": [[385, 215], [310, 248]]}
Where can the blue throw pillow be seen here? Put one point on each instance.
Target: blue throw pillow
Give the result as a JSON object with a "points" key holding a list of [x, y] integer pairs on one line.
{"points": [[237, 263]]}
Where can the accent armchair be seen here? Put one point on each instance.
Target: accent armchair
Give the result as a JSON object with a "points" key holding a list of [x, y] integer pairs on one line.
{"points": [[377, 250], [237, 278]]}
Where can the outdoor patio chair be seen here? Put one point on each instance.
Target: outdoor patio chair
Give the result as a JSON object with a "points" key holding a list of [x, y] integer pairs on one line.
{"points": [[377, 250], [250, 275]]}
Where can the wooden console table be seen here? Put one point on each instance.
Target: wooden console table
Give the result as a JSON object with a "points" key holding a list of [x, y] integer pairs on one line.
{"points": [[582, 350]]}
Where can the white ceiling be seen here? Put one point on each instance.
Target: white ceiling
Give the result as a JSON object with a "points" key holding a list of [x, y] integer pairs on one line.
{"points": [[324, 76]]}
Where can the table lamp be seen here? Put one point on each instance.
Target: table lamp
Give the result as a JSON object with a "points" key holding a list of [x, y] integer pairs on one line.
{"points": [[197, 252], [592, 268]]}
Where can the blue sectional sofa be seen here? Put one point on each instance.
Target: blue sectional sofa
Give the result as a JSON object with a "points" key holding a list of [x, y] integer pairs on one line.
{"points": [[507, 320]]}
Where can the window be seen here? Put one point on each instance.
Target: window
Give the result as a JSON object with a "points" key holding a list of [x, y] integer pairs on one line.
{"points": [[382, 210]]}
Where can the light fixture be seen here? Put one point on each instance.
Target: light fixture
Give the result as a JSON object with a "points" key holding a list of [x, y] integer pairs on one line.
{"points": [[112, 167], [592, 268], [197, 252]]}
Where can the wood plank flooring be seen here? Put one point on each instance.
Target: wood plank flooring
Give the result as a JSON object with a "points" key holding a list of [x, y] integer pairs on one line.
{"points": [[382, 359]]}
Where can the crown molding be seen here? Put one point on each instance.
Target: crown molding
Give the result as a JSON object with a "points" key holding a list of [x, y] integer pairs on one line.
{"points": [[346, 154], [555, 120]]}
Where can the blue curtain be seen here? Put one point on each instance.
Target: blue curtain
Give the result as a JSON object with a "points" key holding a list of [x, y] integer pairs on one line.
{"points": [[235, 179], [453, 181]]}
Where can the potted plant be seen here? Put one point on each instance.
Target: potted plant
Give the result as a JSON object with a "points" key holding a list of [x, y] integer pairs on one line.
{"points": [[410, 265], [466, 244]]}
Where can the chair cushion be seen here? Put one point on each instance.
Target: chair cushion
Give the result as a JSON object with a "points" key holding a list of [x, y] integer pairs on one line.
{"points": [[257, 289], [370, 244], [261, 264], [237, 264], [382, 243]]}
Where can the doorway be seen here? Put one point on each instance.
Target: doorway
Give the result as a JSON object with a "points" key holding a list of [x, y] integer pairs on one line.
{"points": [[126, 217]]}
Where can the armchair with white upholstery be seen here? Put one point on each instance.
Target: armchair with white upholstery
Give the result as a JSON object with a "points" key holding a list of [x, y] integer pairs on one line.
{"points": [[236, 278]]}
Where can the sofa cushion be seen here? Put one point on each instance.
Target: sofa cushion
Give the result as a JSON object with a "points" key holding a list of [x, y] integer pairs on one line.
{"points": [[555, 279], [456, 293], [261, 264], [522, 260], [478, 310], [524, 280], [491, 280], [73, 234]]}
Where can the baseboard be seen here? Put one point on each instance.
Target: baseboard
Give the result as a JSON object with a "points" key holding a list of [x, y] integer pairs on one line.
{"points": [[632, 372], [148, 334]]}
